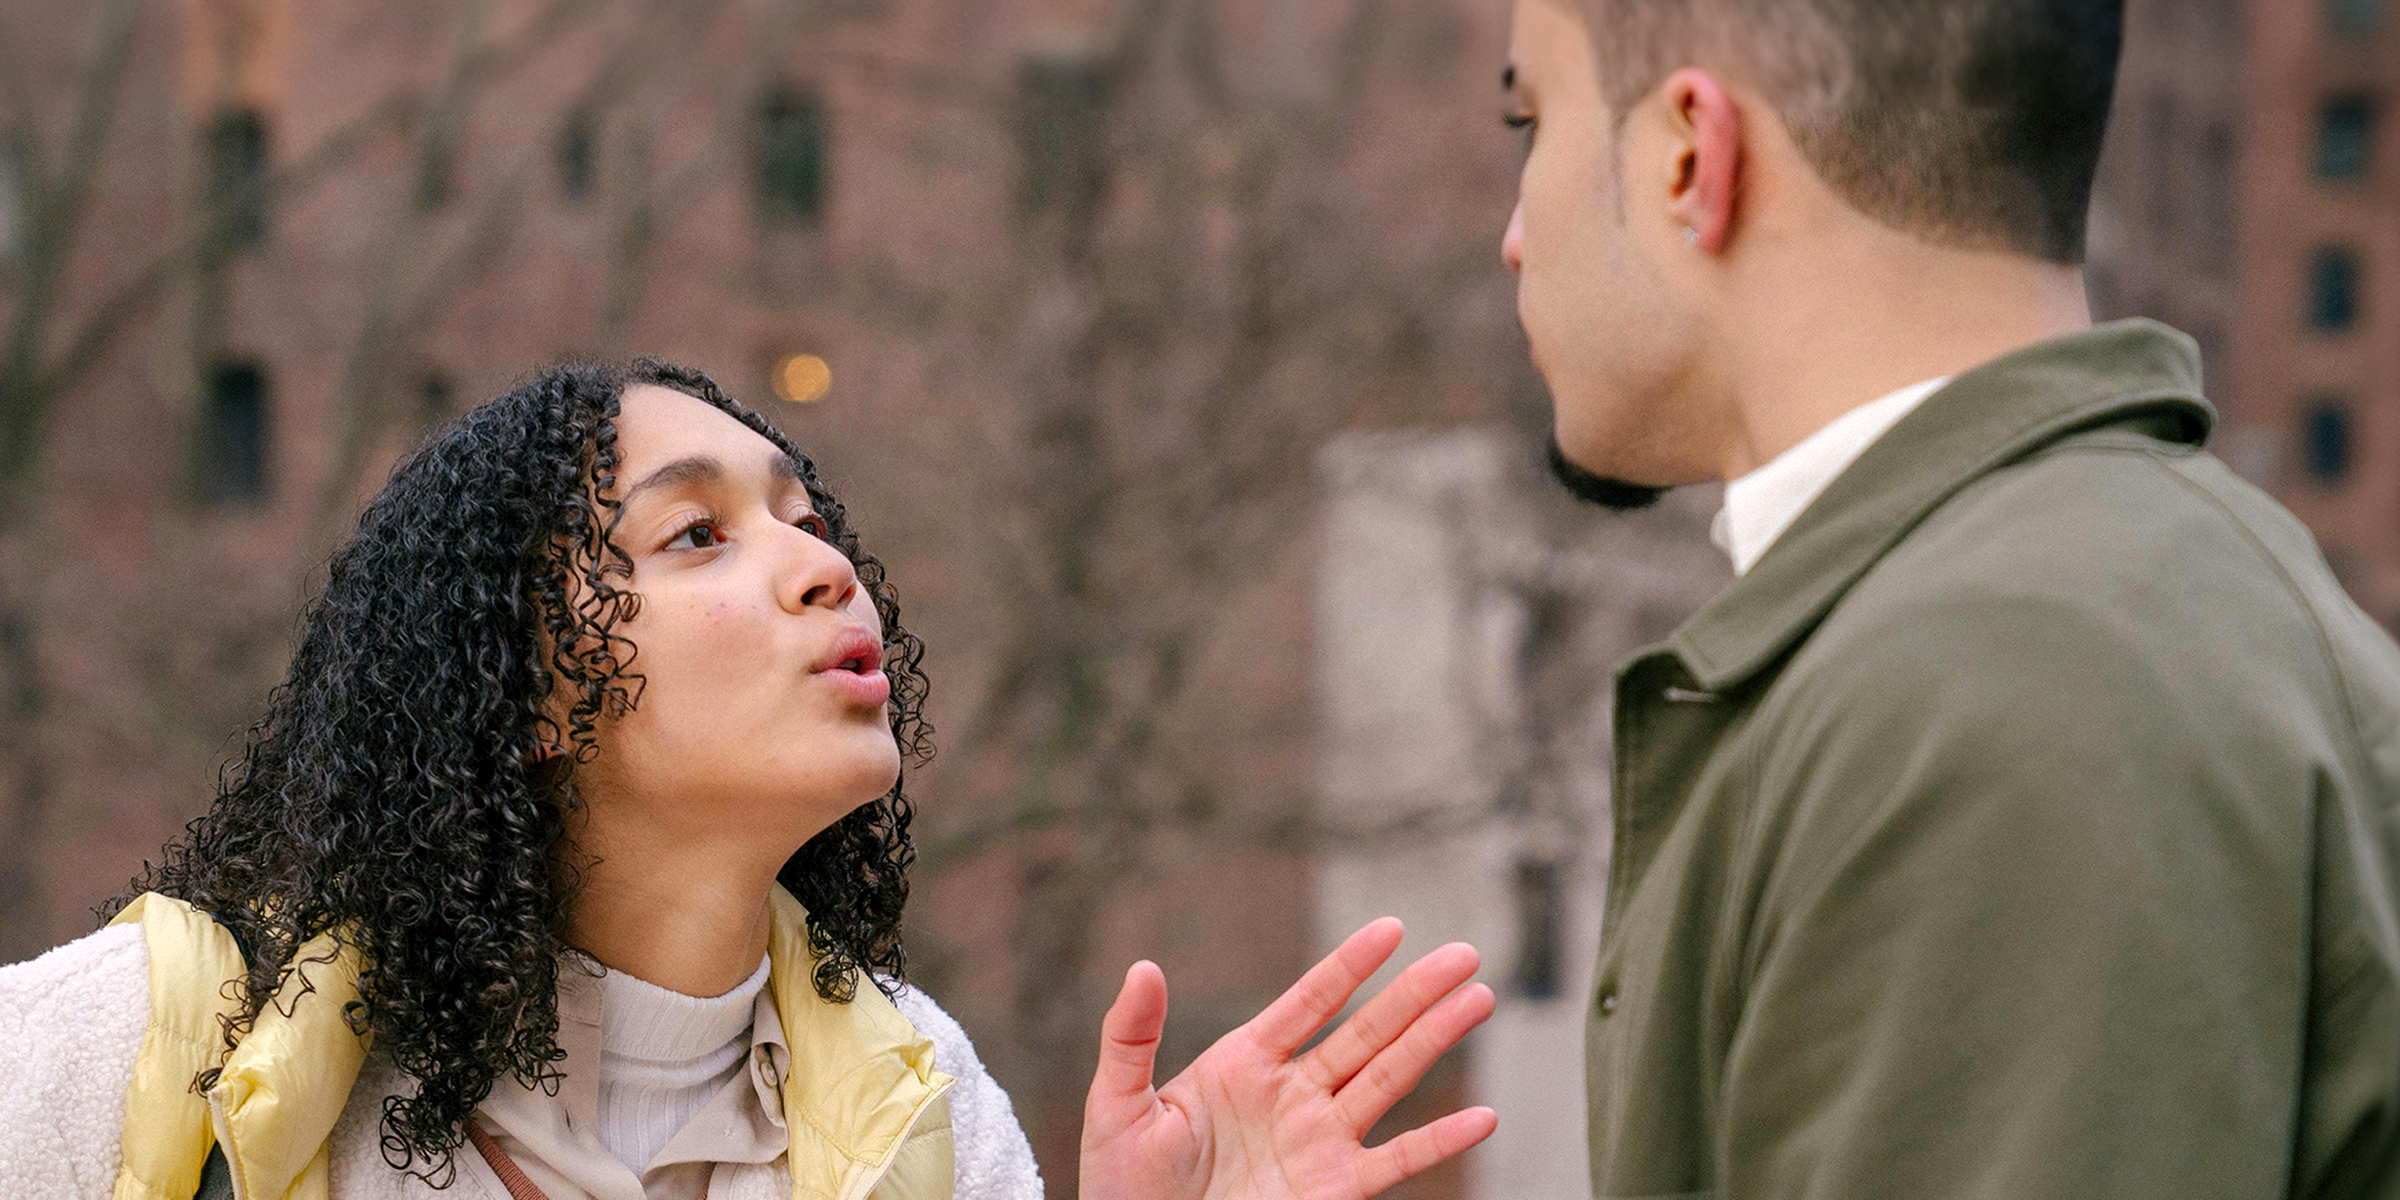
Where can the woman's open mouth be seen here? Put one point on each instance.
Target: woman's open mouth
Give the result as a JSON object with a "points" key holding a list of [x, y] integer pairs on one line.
{"points": [[853, 664]]}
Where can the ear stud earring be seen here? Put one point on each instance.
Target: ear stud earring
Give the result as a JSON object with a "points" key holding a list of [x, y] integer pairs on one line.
{"points": [[1691, 235]]}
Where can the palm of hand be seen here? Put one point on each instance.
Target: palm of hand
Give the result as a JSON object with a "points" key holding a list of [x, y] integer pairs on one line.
{"points": [[1249, 1121]]}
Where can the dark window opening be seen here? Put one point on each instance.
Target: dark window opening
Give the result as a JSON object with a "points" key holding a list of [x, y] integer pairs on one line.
{"points": [[791, 160], [2345, 132], [233, 447], [2214, 200], [437, 163], [15, 237], [1062, 132], [433, 400], [2333, 290], [1541, 926], [2325, 439], [578, 155], [237, 191], [2161, 131], [2354, 17]]}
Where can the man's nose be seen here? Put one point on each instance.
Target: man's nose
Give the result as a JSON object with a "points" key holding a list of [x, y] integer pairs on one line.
{"points": [[1512, 243]]}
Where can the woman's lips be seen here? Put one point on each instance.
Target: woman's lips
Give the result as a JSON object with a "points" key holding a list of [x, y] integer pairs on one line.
{"points": [[853, 664], [868, 689]]}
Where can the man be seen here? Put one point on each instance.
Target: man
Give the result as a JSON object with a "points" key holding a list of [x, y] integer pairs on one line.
{"points": [[2021, 823]]}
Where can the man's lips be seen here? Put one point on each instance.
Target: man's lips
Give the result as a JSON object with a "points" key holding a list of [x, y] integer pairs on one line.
{"points": [[853, 664]]}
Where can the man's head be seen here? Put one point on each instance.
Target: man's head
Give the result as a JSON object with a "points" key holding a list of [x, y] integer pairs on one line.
{"points": [[1694, 163]]}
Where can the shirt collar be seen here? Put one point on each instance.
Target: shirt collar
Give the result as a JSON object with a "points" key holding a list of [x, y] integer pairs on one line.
{"points": [[1759, 506], [554, 1137]]}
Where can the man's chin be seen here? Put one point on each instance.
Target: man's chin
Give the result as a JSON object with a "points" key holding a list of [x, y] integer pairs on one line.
{"points": [[1615, 495]]}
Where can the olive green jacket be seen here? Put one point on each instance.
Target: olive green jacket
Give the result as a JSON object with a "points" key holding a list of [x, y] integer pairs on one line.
{"points": [[2023, 826]]}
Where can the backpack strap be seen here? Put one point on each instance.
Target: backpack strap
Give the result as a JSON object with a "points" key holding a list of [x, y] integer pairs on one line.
{"points": [[273, 1108]]}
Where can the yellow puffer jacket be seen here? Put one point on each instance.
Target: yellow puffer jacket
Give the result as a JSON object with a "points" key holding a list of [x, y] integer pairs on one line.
{"points": [[867, 1111]]}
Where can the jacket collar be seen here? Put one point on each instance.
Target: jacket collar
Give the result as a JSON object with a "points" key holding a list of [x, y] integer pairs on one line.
{"points": [[861, 1079], [2135, 370]]}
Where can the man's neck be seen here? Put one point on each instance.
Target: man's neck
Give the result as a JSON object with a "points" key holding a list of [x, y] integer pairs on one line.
{"points": [[1891, 319]]}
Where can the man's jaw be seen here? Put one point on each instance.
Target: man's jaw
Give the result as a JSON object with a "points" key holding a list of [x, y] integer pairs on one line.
{"points": [[1615, 495]]}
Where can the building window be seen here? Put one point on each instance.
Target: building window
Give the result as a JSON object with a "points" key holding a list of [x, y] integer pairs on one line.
{"points": [[2351, 18], [16, 239], [233, 446], [2325, 439], [437, 161], [2333, 290], [237, 191], [1541, 926], [433, 399], [2345, 130], [2212, 199], [578, 154], [2161, 129], [791, 160], [1062, 132]]}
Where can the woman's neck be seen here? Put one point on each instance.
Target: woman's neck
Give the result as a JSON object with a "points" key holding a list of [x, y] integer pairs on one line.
{"points": [[691, 922]]}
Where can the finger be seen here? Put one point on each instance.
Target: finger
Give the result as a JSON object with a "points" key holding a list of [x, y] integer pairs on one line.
{"points": [[1397, 1071], [1391, 1012], [1382, 1168], [1301, 1011], [1129, 1036]]}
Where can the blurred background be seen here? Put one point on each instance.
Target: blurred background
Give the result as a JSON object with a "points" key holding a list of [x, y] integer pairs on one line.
{"points": [[1160, 347]]}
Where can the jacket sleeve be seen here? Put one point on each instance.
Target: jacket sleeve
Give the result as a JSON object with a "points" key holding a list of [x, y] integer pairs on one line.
{"points": [[2031, 920], [995, 1162], [71, 1022]]}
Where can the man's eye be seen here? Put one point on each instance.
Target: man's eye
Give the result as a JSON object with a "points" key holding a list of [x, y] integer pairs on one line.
{"points": [[699, 535]]}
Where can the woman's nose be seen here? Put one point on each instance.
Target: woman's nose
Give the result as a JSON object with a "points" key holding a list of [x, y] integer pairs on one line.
{"points": [[816, 574]]}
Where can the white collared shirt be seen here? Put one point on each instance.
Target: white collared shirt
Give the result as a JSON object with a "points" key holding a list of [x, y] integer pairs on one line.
{"points": [[1759, 506]]}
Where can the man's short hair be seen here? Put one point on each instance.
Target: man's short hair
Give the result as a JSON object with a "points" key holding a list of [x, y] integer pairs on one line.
{"points": [[1965, 122]]}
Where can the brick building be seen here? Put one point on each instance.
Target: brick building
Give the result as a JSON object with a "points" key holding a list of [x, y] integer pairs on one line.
{"points": [[1063, 294], [1161, 349], [2252, 198]]}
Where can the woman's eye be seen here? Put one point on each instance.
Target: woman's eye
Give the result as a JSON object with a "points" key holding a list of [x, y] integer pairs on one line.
{"points": [[700, 535], [816, 525]]}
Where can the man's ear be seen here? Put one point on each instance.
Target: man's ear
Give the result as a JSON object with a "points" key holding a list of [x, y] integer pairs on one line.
{"points": [[1707, 126]]}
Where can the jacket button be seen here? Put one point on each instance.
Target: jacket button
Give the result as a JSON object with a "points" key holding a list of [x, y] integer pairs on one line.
{"points": [[1608, 1000]]}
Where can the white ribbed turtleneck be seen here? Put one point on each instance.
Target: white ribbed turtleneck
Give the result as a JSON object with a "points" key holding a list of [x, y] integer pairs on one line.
{"points": [[664, 1055]]}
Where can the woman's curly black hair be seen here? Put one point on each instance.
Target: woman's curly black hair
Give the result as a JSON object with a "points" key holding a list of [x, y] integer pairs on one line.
{"points": [[390, 794]]}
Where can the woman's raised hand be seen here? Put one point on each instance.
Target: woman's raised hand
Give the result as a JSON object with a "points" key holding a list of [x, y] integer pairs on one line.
{"points": [[1250, 1121]]}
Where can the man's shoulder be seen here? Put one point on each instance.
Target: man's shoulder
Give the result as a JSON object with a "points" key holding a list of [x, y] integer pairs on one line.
{"points": [[2162, 555]]}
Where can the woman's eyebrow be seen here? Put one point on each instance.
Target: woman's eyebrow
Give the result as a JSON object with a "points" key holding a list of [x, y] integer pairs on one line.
{"points": [[703, 470], [692, 470]]}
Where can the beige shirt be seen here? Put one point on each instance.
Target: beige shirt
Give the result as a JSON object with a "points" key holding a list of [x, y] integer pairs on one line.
{"points": [[555, 1139]]}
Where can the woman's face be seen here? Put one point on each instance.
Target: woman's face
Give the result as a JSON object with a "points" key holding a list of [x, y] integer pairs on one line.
{"points": [[762, 719]]}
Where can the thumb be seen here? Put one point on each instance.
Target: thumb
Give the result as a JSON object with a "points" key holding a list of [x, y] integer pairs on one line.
{"points": [[1129, 1036]]}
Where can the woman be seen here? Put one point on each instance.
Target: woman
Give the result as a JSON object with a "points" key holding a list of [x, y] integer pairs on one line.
{"points": [[569, 862]]}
